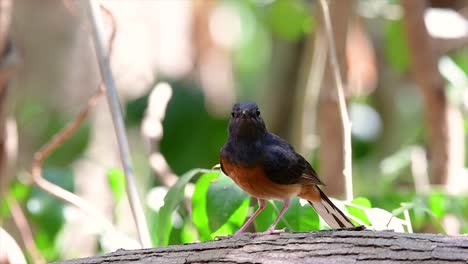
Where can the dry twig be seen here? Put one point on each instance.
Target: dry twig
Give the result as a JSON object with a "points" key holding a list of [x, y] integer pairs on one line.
{"points": [[25, 231], [152, 131], [61, 137], [56, 190], [347, 169], [119, 127]]}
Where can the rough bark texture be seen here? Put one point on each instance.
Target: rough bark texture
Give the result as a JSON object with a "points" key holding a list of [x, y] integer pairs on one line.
{"points": [[332, 246]]}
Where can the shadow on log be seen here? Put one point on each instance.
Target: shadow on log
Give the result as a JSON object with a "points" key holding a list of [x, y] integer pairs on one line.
{"points": [[330, 246]]}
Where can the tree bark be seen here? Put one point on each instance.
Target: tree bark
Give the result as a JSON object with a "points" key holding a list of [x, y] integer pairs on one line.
{"points": [[331, 152], [330, 246], [444, 121], [8, 64]]}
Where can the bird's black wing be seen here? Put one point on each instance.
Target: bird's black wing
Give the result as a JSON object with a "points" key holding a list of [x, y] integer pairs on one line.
{"points": [[284, 166]]}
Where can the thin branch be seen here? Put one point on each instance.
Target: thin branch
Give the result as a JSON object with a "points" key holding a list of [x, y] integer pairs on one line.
{"points": [[25, 230], [152, 131], [312, 91], [6, 7], [119, 127], [347, 168], [56, 141], [56, 190], [419, 170]]}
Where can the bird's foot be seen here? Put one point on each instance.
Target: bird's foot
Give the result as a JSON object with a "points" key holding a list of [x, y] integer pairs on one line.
{"points": [[223, 237], [239, 232], [356, 228], [269, 231]]}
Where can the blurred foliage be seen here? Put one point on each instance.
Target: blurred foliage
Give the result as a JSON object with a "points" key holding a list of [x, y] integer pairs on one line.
{"points": [[117, 183], [193, 137]]}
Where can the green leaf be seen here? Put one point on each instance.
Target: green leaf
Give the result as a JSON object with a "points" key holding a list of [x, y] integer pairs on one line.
{"points": [[173, 198], [188, 233], [223, 198], [290, 19], [46, 211], [19, 192], [220, 205], [437, 204], [299, 218], [396, 48], [116, 180], [4, 209], [235, 221], [199, 212], [360, 213]]}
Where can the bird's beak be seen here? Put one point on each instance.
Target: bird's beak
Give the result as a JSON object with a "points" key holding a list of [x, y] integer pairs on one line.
{"points": [[244, 114]]}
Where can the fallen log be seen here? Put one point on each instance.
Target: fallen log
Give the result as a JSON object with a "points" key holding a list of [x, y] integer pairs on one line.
{"points": [[329, 246]]}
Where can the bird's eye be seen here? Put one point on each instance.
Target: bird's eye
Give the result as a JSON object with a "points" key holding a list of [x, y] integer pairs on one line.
{"points": [[257, 113]]}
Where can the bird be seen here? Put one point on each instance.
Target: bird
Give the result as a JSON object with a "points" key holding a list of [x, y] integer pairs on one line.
{"points": [[268, 168]]}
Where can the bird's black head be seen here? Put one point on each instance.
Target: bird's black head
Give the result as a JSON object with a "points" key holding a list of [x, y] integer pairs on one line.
{"points": [[246, 121]]}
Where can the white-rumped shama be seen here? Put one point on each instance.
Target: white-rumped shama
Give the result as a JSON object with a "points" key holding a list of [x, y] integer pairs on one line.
{"points": [[267, 167]]}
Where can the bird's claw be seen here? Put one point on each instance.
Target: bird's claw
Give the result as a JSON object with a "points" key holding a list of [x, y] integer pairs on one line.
{"points": [[223, 237], [269, 231]]}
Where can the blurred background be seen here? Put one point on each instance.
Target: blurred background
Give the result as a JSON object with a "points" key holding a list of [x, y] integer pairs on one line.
{"points": [[180, 65]]}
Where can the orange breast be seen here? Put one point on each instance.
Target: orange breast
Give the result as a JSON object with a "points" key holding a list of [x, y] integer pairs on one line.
{"points": [[254, 181]]}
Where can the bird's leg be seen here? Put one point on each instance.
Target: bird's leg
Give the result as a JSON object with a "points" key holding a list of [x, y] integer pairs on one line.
{"points": [[271, 229], [261, 206]]}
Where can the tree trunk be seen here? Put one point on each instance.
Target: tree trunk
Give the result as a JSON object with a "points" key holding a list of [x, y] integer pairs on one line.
{"points": [[330, 246], [331, 152], [444, 121], [8, 65]]}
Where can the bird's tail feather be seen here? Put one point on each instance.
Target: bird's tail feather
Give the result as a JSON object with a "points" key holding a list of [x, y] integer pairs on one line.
{"points": [[330, 213]]}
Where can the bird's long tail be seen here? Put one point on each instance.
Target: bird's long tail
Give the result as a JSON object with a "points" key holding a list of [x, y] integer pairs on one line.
{"points": [[333, 216]]}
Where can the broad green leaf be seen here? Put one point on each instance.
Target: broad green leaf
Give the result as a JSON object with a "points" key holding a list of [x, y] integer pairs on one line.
{"points": [[4, 209], [360, 213], [299, 218], [404, 207], [396, 48], [174, 197], [235, 221], [116, 180], [219, 206], [461, 59], [199, 214], [381, 219], [46, 211], [437, 223], [223, 198], [188, 233], [437, 204], [20, 191], [290, 19]]}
